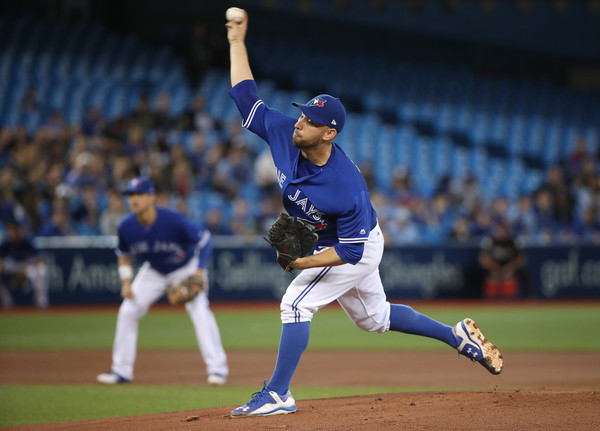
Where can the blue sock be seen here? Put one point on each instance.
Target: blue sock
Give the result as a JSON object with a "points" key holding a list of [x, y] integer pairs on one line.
{"points": [[404, 319], [294, 339]]}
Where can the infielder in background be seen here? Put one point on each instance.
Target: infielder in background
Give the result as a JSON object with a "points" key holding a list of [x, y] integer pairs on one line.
{"points": [[21, 261], [322, 187], [172, 249]]}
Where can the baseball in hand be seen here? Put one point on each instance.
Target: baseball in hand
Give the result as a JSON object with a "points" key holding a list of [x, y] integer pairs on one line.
{"points": [[234, 14]]}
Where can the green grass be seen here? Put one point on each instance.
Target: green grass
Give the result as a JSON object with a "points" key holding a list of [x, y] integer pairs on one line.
{"points": [[21, 405], [515, 328], [518, 328]]}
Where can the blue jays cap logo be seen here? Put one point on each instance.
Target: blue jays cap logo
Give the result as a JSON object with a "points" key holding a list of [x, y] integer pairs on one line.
{"points": [[140, 185], [317, 101]]}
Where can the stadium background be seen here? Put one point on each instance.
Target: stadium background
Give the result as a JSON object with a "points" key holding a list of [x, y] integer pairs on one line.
{"points": [[499, 89], [461, 114]]}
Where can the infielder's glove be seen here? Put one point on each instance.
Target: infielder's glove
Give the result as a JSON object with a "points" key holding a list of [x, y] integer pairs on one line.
{"points": [[291, 238], [185, 291]]}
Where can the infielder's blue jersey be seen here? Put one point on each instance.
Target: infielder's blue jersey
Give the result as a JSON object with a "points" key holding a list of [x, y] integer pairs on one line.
{"points": [[333, 198], [14, 254], [168, 244]]}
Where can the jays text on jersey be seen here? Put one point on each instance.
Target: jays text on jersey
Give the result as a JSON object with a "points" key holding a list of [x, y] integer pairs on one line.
{"points": [[168, 244], [333, 198]]}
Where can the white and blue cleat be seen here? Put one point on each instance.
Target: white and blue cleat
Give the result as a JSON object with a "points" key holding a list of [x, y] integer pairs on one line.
{"points": [[111, 378], [473, 345], [266, 403]]}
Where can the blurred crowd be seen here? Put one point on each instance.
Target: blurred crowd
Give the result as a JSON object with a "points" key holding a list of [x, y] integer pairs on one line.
{"points": [[563, 209], [67, 180]]}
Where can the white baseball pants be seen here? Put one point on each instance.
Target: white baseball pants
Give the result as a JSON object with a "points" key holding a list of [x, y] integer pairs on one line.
{"points": [[148, 286], [357, 288]]}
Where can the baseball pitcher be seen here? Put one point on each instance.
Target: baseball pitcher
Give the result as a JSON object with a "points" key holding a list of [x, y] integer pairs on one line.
{"points": [[323, 188]]}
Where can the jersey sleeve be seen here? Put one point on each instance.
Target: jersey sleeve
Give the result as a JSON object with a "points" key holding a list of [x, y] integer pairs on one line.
{"points": [[205, 248], [350, 253], [202, 239], [123, 245], [257, 116], [353, 229], [245, 95]]}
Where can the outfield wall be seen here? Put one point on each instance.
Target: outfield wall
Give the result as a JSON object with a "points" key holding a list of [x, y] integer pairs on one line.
{"points": [[84, 270]]}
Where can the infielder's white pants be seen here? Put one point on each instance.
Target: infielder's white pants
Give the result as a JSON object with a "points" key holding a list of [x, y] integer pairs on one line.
{"points": [[148, 286], [37, 273], [357, 288]]}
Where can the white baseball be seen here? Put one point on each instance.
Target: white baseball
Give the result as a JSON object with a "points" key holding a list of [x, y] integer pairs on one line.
{"points": [[234, 14]]}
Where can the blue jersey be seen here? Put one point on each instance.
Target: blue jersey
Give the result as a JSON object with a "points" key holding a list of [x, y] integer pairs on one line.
{"points": [[333, 198], [168, 244], [14, 254]]}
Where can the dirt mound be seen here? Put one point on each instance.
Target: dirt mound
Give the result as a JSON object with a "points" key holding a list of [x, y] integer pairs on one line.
{"points": [[558, 390], [444, 411]]}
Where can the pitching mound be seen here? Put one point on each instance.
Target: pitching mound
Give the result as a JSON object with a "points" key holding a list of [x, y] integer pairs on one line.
{"points": [[492, 410], [536, 391]]}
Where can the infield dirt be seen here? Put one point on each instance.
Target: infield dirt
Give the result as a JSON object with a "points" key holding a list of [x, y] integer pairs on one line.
{"points": [[536, 391]]}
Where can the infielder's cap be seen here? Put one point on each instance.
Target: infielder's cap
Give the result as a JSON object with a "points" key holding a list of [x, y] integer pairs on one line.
{"points": [[140, 185], [325, 109]]}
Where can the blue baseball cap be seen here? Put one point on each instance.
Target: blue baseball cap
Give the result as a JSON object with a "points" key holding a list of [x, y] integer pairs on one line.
{"points": [[140, 185], [325, 109]]}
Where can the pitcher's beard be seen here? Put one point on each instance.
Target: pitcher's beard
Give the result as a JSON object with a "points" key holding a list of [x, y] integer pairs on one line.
{"points": [[297, 142], [301, 144]]}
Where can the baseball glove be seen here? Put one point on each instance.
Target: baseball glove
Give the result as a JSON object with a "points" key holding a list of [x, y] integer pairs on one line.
{"points": [[185, 291], [291, 238]]}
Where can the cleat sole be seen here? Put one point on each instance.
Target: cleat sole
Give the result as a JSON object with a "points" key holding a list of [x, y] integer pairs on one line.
{"points": [[492, 358]]}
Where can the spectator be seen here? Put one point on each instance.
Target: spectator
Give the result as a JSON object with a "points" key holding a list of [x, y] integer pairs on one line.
{"points": [[576, 158], [587, 190], [482, 224], [55, 125], [367, 171], [215, 222], [242, 221], [467, 194], [182, 178], [588, 228], [112, 215], [460, 231], [142, 115], [93, 123], [81, 171], [401, 229], [270, 207], [59, 224], [522, 217], [29, 102], [197, 118], [439, 218], [503, 261], [546, 225], [562, 200], [265, 174], [197, 157], [402, 188], [163, 119], [499, 209]]}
